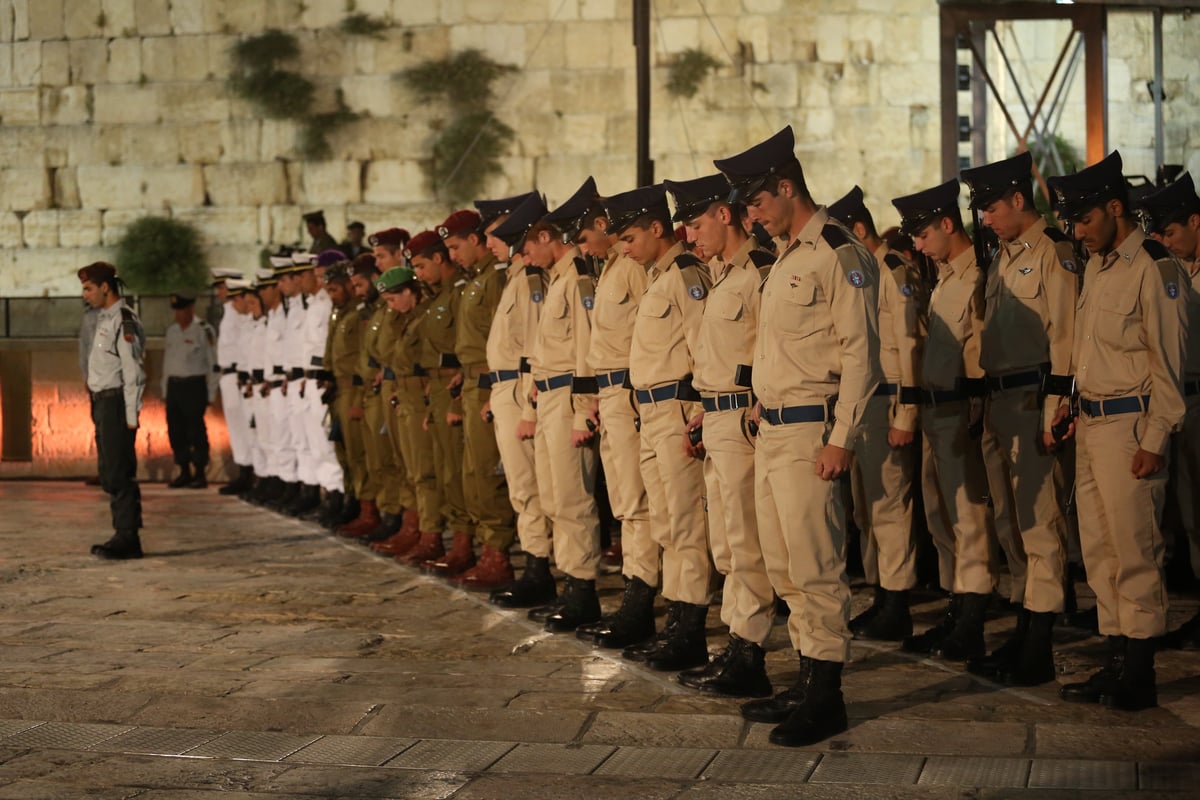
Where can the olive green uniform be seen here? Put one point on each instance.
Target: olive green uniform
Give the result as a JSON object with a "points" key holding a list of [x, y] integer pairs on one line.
{"points": [[341, 358]]}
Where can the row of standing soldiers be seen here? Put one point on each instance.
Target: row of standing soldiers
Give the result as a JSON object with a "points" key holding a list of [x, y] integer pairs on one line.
{"points": [[471, 378]]}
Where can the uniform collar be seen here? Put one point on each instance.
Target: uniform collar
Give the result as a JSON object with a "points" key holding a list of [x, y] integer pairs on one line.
{"points": [[960, 265], [881, 252], [564, 264], [1028, 238], [719, 267], [668, 258], [810, 234], [1125, 251], [482, 265]]}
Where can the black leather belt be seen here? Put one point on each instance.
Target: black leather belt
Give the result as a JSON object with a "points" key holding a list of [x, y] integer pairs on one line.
{"points": [[116, 391], [1119, 405], [937, 397], [680, 390], [887, 390], [257, 376], [727, 402], [372, 363], [229, 371], [501, 375], [275, 384], [296, 373], [789, 415], [615, 378], [556, 382], [318, 374], [1014, 380]]}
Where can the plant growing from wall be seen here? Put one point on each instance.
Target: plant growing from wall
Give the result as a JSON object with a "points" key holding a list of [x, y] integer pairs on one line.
{"points": [[468, 146], [364, 25], [688, 71], [160, 255]]}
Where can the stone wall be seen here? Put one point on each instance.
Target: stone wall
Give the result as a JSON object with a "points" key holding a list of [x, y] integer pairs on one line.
{"points": [[111, 109]]}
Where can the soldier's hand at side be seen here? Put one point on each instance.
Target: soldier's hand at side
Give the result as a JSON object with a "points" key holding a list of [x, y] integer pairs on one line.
{"points": [[355, 412], [485, 411], [453, 419], [455, 381], [377, 380], [1146, 464], [1048, 438], [594, 415], [689, 449], [526, 430], [581, 438], [833, 462], [756, 414], [898, 438]]}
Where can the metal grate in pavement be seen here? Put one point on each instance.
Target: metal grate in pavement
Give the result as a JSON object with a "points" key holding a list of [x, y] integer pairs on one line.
{"points": [[10, 726], [658, 762], [762, 766], [1169, 777], [1077, 774], [156, 741], [867, 768], [253, 745], [66, 735], [453, 756], [974, 772], [554, 759], [362, 751]]}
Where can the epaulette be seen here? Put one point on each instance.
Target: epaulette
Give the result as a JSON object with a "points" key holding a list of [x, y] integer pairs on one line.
{"points": [[1173, 277], [537, 283], [847, 257], [129, 323], [893, 261], [587, 285], [695, 275], [1064, 248], [1155, 248], [762, 260], [900, 274]]}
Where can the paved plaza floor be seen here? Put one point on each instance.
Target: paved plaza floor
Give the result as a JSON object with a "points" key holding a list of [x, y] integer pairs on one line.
{"points": [[254, 656]]}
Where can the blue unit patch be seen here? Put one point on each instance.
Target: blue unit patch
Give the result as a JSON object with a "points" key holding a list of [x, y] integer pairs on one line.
{"points": [[536, 297], [856, 278], [1070, 266], [906, 290], [696, 292], [1172, 289], [588, 302]]}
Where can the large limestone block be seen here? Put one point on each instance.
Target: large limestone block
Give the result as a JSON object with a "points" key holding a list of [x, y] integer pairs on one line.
{"points": [[81, 18], [244, 16], [334, 182], [220, 64], [598, 9], [408, 13], [581, 133], [782, 85], [66, 189], [191, 58], [514, 177], [676, 35], [905, 84], [395, 182], [22, 145], [377, 95], [552, 51], [24, 188], [286, 226], [89, 60], [40, 228], [46, 20], [187, 16], [115, 222], [588, 45], [153, 17], [240, 140], [120, 17], [559, 176], [832, 36], [125, 60], [6, 64], [127, 103], [26, 63], [158, 58], [14, 21], [248, 184], [223, 226], [79, 228], [504, 43], [594, 91], [150, 187], [10, 233], [104, 187], [322, 15], [56, 63], [65, 106], [197, 102]]}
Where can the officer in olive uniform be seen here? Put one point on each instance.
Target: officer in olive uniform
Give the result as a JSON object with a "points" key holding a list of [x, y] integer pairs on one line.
{"points": [[724, 354], [484, 490], [1025, 349], [885, 458], [189, 385], [340, 364], [116, 380], [314, 222], [1128, 363], [816, 366]]}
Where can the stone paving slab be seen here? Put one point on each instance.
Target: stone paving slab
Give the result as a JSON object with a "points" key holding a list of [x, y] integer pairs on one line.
{"points": [[259, 637]]}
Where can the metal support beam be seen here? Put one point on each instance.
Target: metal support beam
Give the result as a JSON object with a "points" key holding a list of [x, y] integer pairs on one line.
{"points": [[641, 41], [949, 94], [1160, 156]]}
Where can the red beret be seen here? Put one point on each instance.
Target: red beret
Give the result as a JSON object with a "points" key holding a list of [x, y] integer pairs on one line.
{"points": [[392, 237], [97, 273], [421, 243], [460, 223]]}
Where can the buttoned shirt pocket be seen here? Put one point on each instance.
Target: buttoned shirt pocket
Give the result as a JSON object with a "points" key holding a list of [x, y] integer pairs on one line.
{"points": [[797, 308], [1026, 286], [1117, 322], [613, 307], [724, 306], [654, 312], [558, 317]]}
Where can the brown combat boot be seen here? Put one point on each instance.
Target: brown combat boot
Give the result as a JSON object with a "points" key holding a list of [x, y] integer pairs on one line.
{"points": [[399, 543], [493, 571], [428, 547], [460, 558], [368, 518]]}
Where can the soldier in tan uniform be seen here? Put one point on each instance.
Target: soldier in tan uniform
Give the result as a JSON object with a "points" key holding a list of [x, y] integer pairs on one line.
{"points": [[484, 489], [816, 366], [1128, 360], [564, 393], [509, 344], [436, 331], [724, 353], [955, 480], [884, 458], [1174, 213], [660, 372], [1025, 350]]}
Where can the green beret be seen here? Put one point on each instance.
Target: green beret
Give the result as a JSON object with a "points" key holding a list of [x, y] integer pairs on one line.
{"points": [[394, 279]]}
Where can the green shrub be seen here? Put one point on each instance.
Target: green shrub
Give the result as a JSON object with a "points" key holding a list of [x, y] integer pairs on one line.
{"points": [[159, 255], [688, 71]]}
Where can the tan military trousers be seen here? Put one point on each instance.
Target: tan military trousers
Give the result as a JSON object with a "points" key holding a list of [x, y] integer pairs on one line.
{"points": [[620, 451], [416, 450], [484, 489], [881, 485], [1002, 523], [1187, 478], [802, 529], [941, 533], [747, 601], [392, 482], [533, 526], [566, 478], [1014, 418], [447, 453], [1119, 527], [675, 494], [959, 487], [352, 446]]}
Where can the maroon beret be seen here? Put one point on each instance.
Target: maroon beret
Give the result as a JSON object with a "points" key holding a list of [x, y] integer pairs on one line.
{"points": [[97, 273], [392, 237], [460, 223], [420, 244]]}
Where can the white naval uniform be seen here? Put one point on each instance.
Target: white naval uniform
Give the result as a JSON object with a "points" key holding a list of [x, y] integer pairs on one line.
{"points": [[232, 353]]}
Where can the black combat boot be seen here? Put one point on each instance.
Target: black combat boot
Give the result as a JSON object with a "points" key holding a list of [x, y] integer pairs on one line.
{"points": [[687, 647], [580, 606], [1103, 681], [1003, 657], [243, 481], [330, 510], [866, 616], [308, 499], [199, 478], [637, 652], [124, 544], [966, 640], [535, 587], [891, 621], [389, 526], [822, 712], [285, 498], [779, 707], [271, 489], [1034, 663], [1136, 687], [737, 671], [183, 478], [351, 509], [923, 643], [633, 622]]}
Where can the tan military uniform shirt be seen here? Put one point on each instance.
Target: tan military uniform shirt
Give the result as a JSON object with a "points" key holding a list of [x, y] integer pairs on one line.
{"points": [[514, 328], [900, 330], [725, 340], [955, 324], [818, 332], [1030, 313], [345, 340], [480, 298], [1192, 352], [564, 333], [1130, 333], [667, 325], [618, 294]]}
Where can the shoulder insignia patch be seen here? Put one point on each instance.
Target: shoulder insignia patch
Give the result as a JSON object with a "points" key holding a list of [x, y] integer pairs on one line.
{"points": [[695, 275], [586, 281], [588, 301], [906, 290], [1172, 275], [1172, 289], [1065, 251], [536, 296], [834, 236], [857, 278]]}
